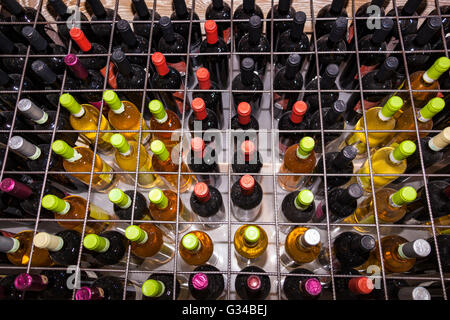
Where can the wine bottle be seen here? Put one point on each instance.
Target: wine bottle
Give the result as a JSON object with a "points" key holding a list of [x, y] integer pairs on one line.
{"points": [[399, 255], [287, 78], [246, 198], [108, 248], [282, 10], [247, 9], [220, 10], [255, 41], [18, 250], [103, 30], [291, 121], [212, 98], [72, 17], [164, 119], [167, 77], [104, 288], [215, 61], [10, 29], [297, 207], [327, 81], [163, 207], [249, 81], [207, 203], [377, 118], [424, 120], [353, 249], [196, 248], [202, 119], [245, 125], [407, 25], [132, 44], [162, 162], [430, 262], [399, 289], [9, 291], [159, 286], [203, 161], [381, 79], [293, 39], [391, 207], [10, 208], [302, 245], [127, 156], [206, 286], [341, 204], [143, 13], [247, 160], [63, 247], [301, 287], [147, 242], [334, 10], [15, 51], [333, 41], [48, 285], [250, 243], [368, 61], [74, 208], [436, 41], [122, 201], [80, 159], [254, 286], [86, 117], [384, 161], [298, 158], [352, 288]]}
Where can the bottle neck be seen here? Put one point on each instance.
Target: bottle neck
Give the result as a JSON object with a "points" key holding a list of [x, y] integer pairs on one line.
{"points": [[247, 77]]}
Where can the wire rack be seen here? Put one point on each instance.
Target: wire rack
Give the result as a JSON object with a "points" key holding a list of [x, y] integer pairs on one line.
{"points": [[273, 195]]}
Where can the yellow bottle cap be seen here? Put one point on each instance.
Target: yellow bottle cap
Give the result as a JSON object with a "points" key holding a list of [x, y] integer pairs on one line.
{"points": [[252, 234], [53, 203], [119, 142], [404, 195], [157, 197], [438, 68], [305, 147], [135, 234], [394, 104], [69, 102], [157, 109], [433, 106], [304, 198], [152, 288], [95, 243], [112, 99], [63, 149], [404, 150], [190, 242], [160, 150]]}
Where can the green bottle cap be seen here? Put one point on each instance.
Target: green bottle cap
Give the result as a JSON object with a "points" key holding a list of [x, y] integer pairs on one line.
{"points": [[404, 150], [433, 106], [95, 243], [119, 197], [160, 150], [152, 288], [438, 68], [135, 234], [55, 204], [157, 109], [158, 197], [305, 147], [394, 104], [119, 142], [112, 99], [190, 242], [404, 195], [69, 102], [252, 234], [63, 149], [304, 198]]}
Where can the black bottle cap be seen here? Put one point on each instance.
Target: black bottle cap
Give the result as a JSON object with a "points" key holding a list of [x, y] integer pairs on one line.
{"points": [[379, 3], [338, 30], [339, 106], [255, 29], [380, 34], [4, 78], [59, 6], [217, 4], [6, 244], [121, 61], [35, 38], [332, 71], [337, 6], [247, 65], [97, 8], [248, 5], [180, 8], [141, 8], [7, 46], [367, 243], [298, 24], [284, 5], [333, 114], [344, 157], [387, 68], [128, 36], [167, 28], [13, 7], [427, 30], [355, 191], [43, 71], [292, 65], [410, 7]]}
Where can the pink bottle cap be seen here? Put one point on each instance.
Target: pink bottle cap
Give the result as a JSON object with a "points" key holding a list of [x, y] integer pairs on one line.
{"points": [[15, 188], [313, 286], [200, 281], [254, 283]]}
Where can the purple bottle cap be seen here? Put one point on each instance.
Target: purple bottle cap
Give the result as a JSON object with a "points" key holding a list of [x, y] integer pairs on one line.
{"points": [[15, 188], [75, 65], [313, 287], [254, 283], [200, 281], [84, 293], [30, 282]]}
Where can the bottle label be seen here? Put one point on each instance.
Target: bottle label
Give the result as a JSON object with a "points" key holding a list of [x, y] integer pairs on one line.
{"points": [[105, 176], [351, 33], [112, 81], [179, 100], [365, 70], [367, 105], [98, 213], [227, 35], [180, 67]]}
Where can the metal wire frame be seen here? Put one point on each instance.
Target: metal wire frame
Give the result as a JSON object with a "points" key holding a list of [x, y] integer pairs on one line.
{"points": [[229, 222]]}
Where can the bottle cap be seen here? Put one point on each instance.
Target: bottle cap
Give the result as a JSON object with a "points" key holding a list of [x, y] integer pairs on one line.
{"points": [[31, 282], [141, 9], [159, 61], [252, 234], [112, 99], [203, 78], [199, 108], [440, 141], [119, 198], [332, 71], [75, 65], [367, 243], [15, 188], [121, 62], [304, 198], [59, 7], [95, 243], [48, 241], [135, 234], [244, 111], [255, 22], [119, 142], [43, 71], [55, 204], [13, 7], [247, 64], [410, 7], [313, 287], [254, 282], [394, 104], [355, 191], [35, 38], [127, 35], [404, 150], [247, 183], [311, 237], [9, 245], [190, 242], [201, 191], [69, 102], [338, 30], [298, 111], [404, 195], [63, 149], [86, 293], [24, 147], [180, 8], [200, 281], [217, 4], [97, 8], [433, 106], [413, 293], [80, 38], [32, 111], [157, 109], [415, 249], [211, 32], [197, 145], [157, 197], [305, 147], [380, 35], [152, 288], [427, 30], [440, 66], [360, 285], [158, 148]]}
